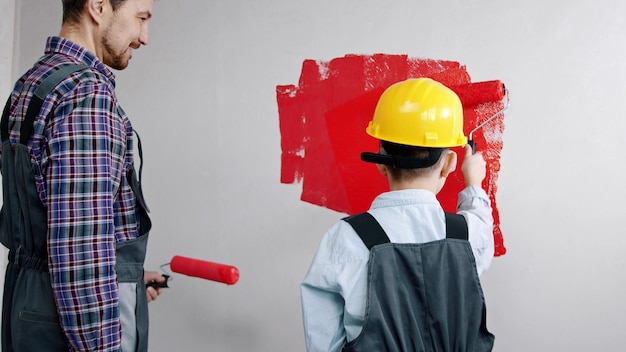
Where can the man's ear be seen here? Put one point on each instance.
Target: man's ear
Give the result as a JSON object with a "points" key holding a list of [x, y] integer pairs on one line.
{"points": [[95, 9], [449, 163]]}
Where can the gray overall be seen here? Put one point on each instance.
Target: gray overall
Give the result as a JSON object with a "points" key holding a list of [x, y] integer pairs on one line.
{"points": [[421, 297], [29, 315]]}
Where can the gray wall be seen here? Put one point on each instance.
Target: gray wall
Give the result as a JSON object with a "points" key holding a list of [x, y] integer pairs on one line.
{"points": [[7, 30], [202, 95]]}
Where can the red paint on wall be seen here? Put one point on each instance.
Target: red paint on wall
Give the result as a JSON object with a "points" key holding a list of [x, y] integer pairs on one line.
{"points": [[323, 121]]}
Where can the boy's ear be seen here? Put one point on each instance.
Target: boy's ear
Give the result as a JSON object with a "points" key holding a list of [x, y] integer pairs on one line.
{"points": [[449, 163], [383, 169]]}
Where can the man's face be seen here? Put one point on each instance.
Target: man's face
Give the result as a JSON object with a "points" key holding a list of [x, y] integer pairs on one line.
{"points": [[126, 30]]}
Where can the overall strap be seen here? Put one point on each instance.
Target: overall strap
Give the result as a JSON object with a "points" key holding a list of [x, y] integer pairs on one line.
{"points": [[42, 91], [456, 226], [140, 151], [372, 234], [368, 229]]}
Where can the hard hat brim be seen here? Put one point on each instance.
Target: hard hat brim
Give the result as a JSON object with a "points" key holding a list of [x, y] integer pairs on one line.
{"points": [[403, 162]]}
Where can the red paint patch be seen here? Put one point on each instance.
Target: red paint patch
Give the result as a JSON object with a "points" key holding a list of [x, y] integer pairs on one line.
{"points": [[323, 120]]}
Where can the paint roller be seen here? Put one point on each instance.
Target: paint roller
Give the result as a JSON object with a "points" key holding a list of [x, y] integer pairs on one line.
{"points": [[479, 92], [476, 93], [203, 269]]}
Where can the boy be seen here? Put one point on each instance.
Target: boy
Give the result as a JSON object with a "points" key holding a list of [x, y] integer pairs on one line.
{"points": [[404, 275]]}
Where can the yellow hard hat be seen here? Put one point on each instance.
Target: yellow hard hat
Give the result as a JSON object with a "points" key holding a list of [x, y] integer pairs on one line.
{"points": [[419, 112]]}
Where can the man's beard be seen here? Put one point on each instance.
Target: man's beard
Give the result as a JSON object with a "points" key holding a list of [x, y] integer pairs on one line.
{"points": [[114, 60]]}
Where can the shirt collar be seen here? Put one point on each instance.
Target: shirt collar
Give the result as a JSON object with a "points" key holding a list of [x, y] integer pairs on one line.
{"points": [[404, 197], [59, 45]]}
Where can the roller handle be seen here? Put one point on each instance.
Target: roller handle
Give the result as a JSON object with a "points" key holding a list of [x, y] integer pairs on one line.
{"points": [[473, 145], [155, 284]]}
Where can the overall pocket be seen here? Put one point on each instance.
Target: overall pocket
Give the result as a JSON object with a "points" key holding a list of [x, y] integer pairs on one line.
{"points": [[35, 320]]}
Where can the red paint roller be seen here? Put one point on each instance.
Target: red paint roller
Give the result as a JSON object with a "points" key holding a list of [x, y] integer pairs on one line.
{"points": [[227, 274], [479, 92]]}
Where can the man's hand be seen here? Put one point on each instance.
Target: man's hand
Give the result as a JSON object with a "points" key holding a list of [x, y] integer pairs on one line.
{"points": [[152, 276]]}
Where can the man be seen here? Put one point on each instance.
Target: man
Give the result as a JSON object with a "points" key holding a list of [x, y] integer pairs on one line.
{"points": [[73, 216], [404, 275]]}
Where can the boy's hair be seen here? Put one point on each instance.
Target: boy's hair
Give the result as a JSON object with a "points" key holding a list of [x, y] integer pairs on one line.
{"points": [[72, 9], [389, 148]]}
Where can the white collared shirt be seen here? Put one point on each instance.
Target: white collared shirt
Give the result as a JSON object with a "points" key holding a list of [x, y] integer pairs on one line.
{"points": [[334, 289]]}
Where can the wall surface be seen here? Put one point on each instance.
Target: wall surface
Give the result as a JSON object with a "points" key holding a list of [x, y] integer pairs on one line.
{"points": [[7, 31], [202, 96]]}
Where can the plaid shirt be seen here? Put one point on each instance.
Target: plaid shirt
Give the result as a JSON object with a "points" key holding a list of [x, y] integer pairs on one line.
{"points": [[81, 155]]}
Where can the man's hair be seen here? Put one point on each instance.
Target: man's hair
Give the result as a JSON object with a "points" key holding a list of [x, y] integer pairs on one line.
{"points": [[72, 9], [395, 149]]}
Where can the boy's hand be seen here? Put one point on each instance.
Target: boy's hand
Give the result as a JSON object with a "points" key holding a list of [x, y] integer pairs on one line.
{"points": [[474, 167]]}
